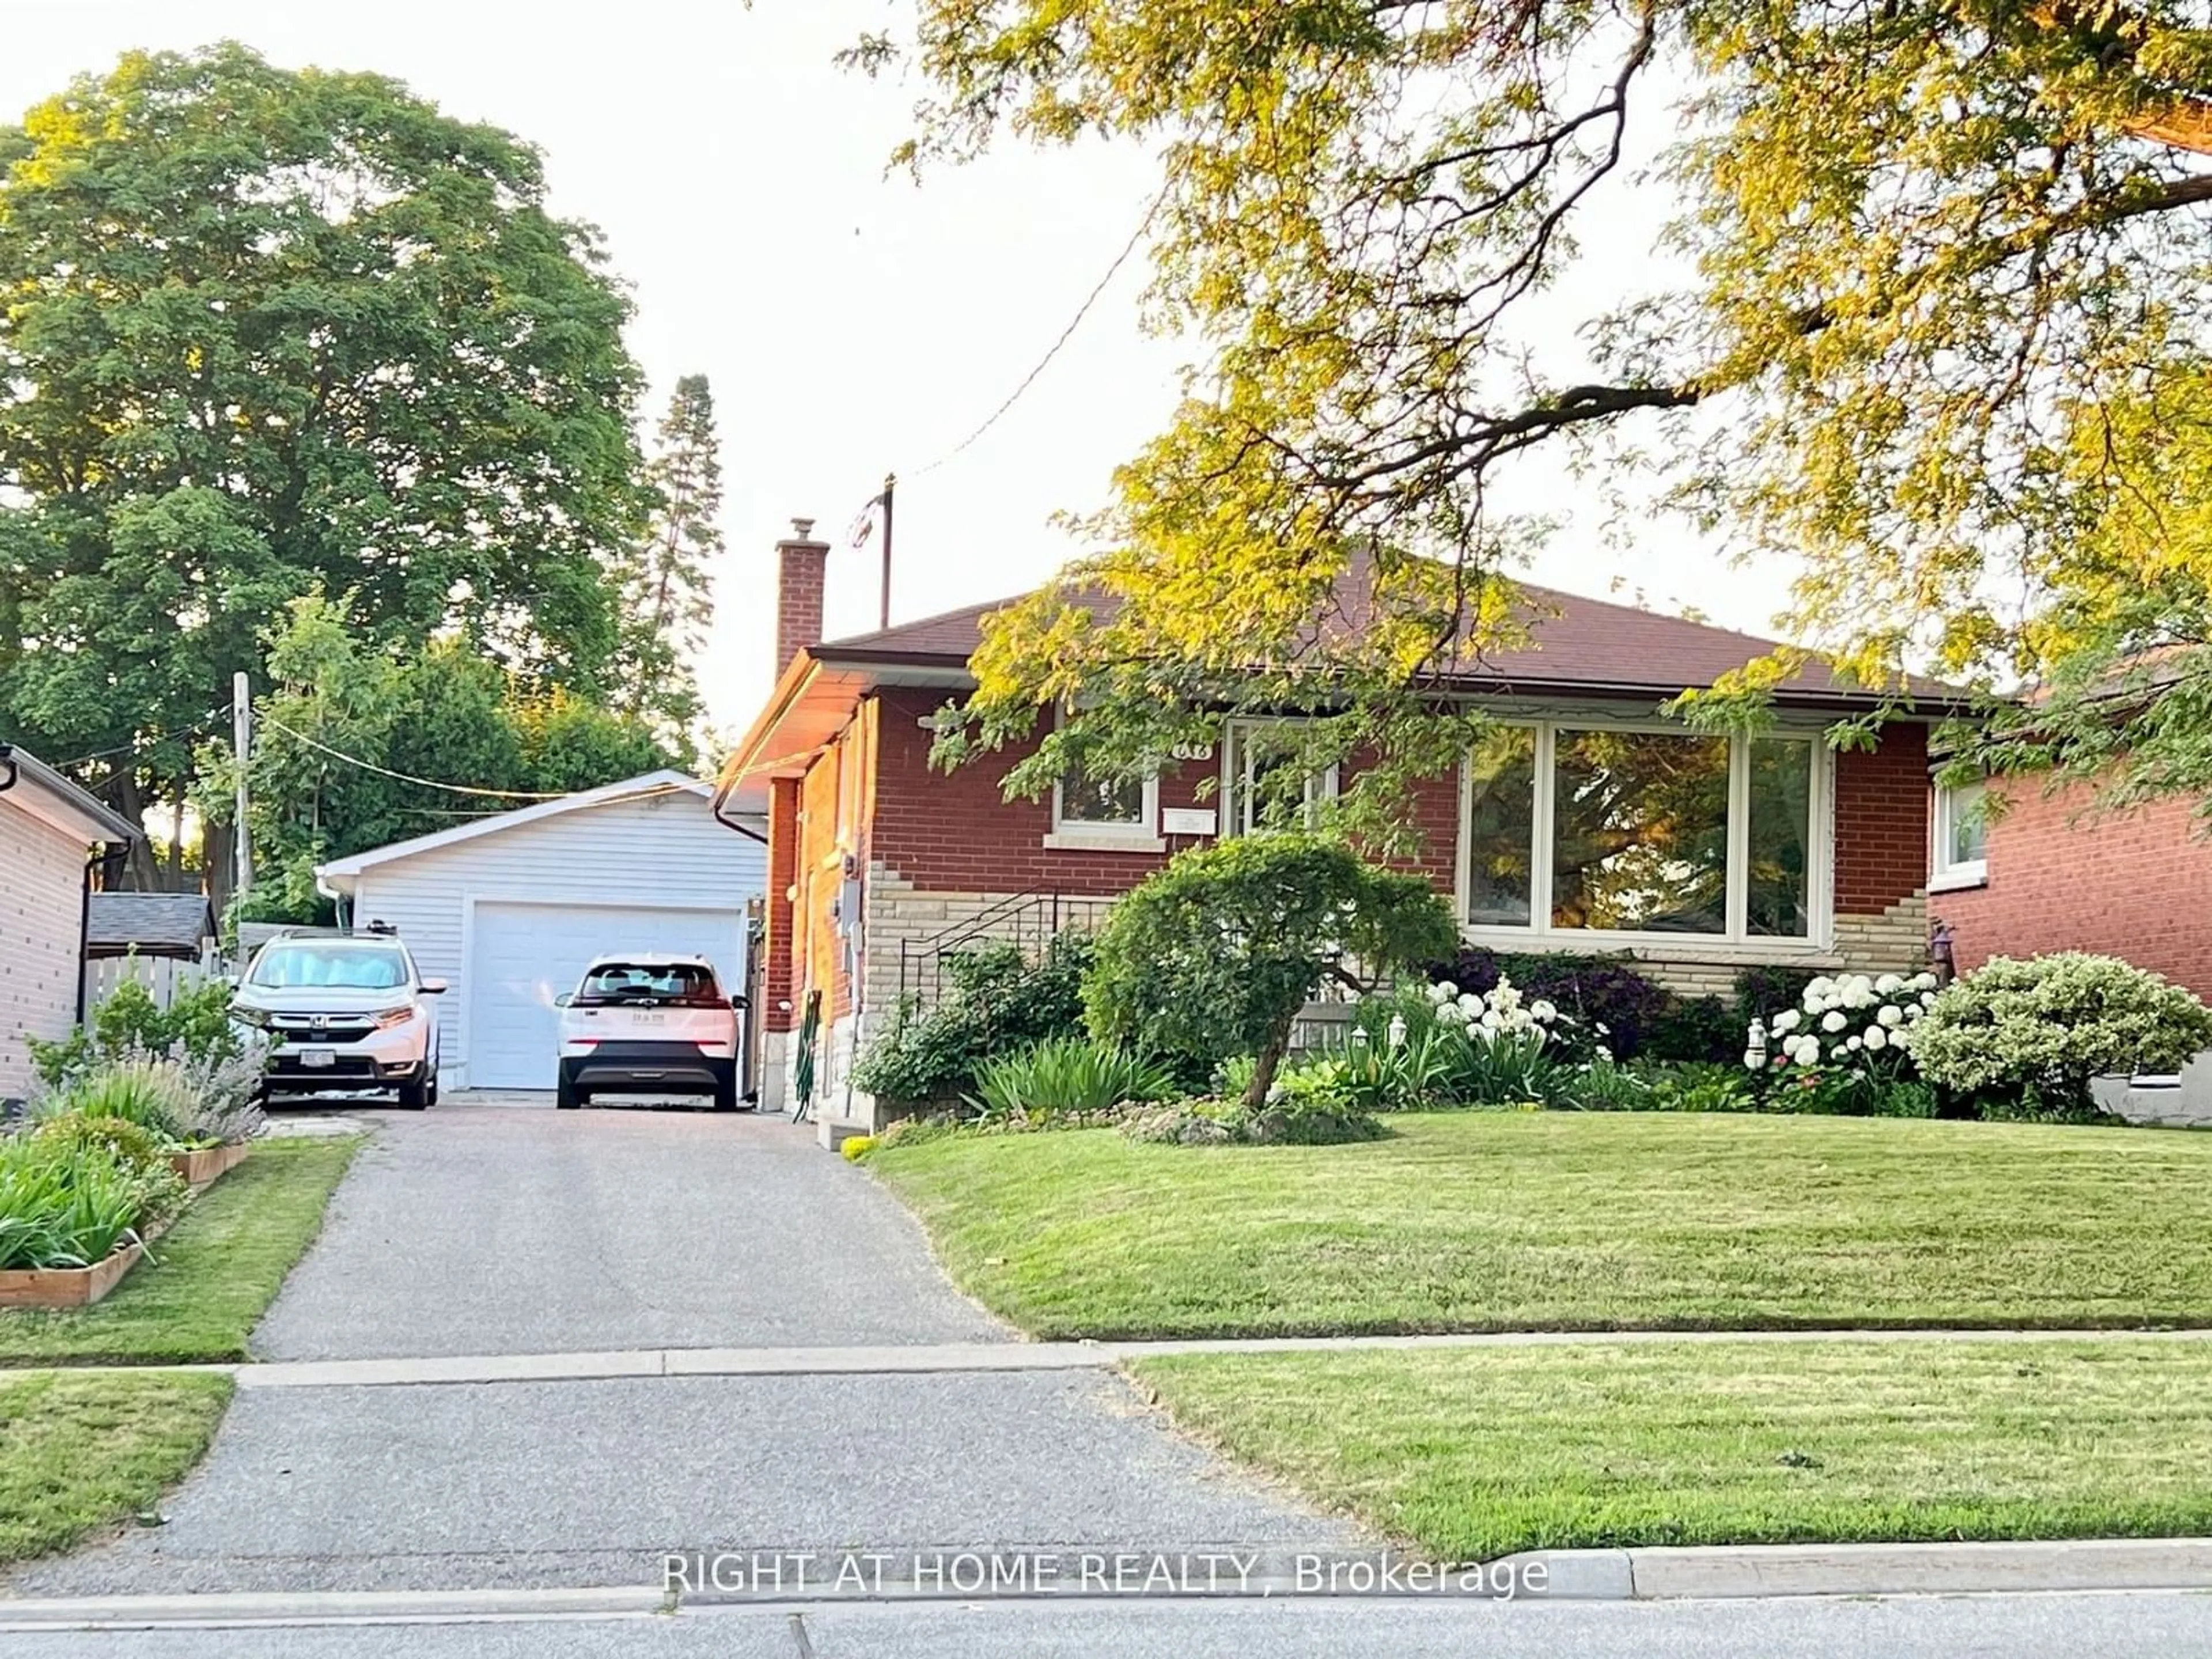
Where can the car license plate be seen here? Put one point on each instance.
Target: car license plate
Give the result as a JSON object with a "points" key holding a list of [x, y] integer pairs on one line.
{"points": [[315, 1057], [649, 1020]]}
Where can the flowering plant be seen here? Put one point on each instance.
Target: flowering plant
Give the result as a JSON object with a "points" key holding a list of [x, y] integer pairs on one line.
{"points": [[1499, 1012], [1853, 1031]]}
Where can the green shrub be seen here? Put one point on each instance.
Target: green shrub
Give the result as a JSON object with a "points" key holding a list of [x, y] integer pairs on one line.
{"points": [[1602, 1085], [2041, 1029], [1701, 1031], [998, 998], [1760, 990], [1067, 1074], [130, 1026], [1693, 1087], [1215, 955], [141, 1155], [1310, 1122], [130, 1146]]}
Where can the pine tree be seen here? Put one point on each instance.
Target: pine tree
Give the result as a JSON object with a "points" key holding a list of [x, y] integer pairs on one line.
{"points": [[667, 582]]}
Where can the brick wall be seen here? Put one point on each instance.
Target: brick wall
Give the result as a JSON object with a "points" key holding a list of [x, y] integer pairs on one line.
{"points": [[782, 871], [1882, 822], [2063, 876], [956, 832]]}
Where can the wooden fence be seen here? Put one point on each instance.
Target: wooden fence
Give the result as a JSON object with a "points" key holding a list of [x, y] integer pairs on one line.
{"points": [[164, 976]]}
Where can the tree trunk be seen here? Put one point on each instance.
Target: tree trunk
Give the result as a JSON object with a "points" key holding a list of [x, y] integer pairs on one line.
{"points": [[177, 842], [217, 851], [139, 870], [1263, 1070]]}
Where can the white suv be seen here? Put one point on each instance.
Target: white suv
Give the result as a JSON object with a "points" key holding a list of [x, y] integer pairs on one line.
{"points": [[347, 1011], [649, 1023]]}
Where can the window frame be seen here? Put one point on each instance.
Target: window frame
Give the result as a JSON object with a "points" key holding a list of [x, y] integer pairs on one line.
{"points": [[1138, 834], [1943, 873], [1323, 786], [1736, 940]]}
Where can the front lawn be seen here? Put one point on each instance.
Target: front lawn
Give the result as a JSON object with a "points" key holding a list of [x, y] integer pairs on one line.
{"points": [[212, 1276], [79, 1453], [1570, 1221], [1471, 1454]]}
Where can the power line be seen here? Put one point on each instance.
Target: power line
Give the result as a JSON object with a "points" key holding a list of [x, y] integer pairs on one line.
{"points": [[1044, 362], [191, 730], [406, 777]]}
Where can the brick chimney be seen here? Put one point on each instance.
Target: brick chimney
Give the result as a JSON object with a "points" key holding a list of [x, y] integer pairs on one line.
{"points": [[800, 562]]}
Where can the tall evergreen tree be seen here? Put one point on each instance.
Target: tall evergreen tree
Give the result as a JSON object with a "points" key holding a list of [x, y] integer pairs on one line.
{"points": [[667, 593]]}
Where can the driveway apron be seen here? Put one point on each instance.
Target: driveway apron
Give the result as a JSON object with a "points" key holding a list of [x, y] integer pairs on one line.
{"points": [[491, 1229], [514, 1228]]}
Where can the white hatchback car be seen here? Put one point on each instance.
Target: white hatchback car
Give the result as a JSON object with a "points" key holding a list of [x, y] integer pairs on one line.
{"points": [[646, 1023]]}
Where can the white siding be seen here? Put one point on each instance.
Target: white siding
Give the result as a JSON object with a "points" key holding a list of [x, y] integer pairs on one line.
{"points": [[41, 930], [663, 850]]}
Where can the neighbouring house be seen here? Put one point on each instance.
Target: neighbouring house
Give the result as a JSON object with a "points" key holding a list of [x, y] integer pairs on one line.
{"points": [[510, 909], [2026, 865], [54, 839], [1583, 821]]}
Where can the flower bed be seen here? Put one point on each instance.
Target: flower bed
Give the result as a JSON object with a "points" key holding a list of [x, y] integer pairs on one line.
{"points": [[115, 1148], [203, 1166]]}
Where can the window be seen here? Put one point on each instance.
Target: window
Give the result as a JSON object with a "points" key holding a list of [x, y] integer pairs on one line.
{"points": [[1259, 783], [1962, 833], [1501, 827], [1638, 830], [1106, 806]]}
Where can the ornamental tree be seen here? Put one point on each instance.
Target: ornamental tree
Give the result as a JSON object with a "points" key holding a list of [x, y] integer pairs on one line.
{"points": [[1936, 322], [1215, 955]]}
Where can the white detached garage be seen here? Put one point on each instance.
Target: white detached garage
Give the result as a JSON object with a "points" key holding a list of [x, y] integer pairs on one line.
{"points": [[510, 909]]}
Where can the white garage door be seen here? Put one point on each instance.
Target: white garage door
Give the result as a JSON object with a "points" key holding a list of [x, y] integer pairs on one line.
{"points": [[525, 955]]}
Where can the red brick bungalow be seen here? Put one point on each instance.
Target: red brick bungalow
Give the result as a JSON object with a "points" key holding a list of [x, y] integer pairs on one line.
{"points": [[1583, 821]]}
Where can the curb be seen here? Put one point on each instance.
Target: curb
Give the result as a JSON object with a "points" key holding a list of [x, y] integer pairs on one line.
{"points": [[1776, 1571], [1749, 1570], [242, 1609]]}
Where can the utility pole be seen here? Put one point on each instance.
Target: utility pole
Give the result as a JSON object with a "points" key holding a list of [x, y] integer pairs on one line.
{"points": [[241, 739], [891, 484]]}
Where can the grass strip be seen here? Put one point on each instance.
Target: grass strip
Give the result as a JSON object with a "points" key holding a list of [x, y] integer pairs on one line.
{"points": [[1469, 1454], [79, 1454]]}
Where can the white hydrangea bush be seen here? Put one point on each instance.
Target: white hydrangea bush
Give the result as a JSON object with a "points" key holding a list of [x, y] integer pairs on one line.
{"points": [[1862, 1023], [2049, 1024]]}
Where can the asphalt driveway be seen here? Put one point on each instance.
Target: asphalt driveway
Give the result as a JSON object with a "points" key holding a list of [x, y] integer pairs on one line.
{"points": [[496, 1225], [492, 1228]]}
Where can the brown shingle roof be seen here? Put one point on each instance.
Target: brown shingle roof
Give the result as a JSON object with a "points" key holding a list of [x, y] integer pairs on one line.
{"points": [[1581, 643]]}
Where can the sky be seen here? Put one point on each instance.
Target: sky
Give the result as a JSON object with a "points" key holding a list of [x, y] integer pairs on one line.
{"points": [[851, 322]]}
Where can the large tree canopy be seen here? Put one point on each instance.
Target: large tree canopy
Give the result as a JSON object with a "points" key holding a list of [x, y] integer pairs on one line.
{"points": [[263, 330], [1941, 329]]}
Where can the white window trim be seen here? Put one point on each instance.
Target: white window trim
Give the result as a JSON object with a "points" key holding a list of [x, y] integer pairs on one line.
{"points": [[1736, 942], [1138, 835], [1323, 786], [1945, 877]]}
